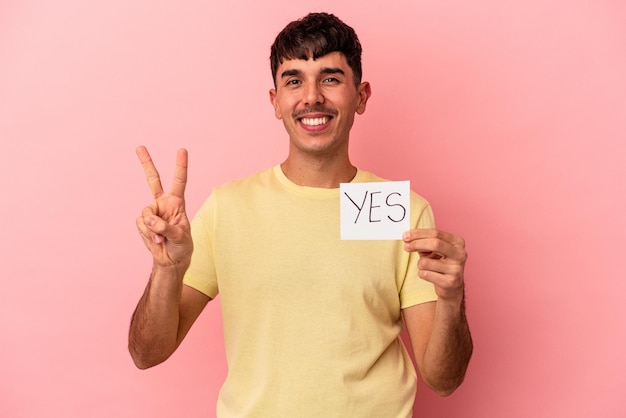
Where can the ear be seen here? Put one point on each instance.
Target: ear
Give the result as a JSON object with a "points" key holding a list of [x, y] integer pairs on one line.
{"points": [[364, 91], [274, 102]]}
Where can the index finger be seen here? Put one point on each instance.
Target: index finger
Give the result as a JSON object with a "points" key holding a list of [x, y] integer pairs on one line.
{"points": [[152, 175], [180, 173]]}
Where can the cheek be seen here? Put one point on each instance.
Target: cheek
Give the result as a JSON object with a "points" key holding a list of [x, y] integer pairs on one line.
{"points": [[282, 108]]}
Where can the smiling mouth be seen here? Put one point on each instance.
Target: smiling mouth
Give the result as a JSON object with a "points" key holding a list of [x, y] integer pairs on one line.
{"points": [[315, 121]]}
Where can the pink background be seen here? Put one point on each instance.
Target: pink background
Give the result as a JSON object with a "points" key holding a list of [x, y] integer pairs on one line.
{"points": [[510, 117]]}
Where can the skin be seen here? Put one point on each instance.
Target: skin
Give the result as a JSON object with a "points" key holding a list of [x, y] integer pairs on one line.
{"points": [[167, 309], [317, 101], [318, 89], [439, 331]]}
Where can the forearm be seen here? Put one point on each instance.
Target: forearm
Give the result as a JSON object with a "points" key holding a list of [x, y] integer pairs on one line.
{"points": [[449, 348], [153, 334]]}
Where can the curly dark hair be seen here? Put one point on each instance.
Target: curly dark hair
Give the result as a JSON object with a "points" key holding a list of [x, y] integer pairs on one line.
{"points": [[316, 35]]}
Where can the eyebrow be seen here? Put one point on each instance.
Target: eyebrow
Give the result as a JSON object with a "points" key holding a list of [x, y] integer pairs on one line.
{"points": [[332, 70], [289, 73], [325, 70]]}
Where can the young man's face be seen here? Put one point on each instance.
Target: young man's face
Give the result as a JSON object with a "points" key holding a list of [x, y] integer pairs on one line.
{"points": [[317, 101]]}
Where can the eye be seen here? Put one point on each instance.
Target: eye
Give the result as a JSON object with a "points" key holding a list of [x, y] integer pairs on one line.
{"points": [[331, 80], [292, 82]]}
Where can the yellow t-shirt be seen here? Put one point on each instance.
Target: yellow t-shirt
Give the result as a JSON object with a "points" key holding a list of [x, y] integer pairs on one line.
{"points": [[311, 322]]}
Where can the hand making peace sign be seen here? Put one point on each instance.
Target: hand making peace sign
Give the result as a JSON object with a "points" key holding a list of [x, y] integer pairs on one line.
{"points": [[164, 226]]}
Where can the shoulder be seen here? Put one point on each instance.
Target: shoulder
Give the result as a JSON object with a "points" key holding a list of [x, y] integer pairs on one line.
{"points": [[244, 187], [236, 191], [253, 180]]}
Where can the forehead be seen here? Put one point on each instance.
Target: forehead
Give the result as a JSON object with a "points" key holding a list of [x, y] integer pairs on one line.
{"points": [[318, 65]]}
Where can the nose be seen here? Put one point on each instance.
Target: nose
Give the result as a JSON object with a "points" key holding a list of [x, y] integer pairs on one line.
{"points": [[312, 94]]}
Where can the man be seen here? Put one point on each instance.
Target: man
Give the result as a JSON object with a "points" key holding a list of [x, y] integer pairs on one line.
{"points": [[311, 322]]}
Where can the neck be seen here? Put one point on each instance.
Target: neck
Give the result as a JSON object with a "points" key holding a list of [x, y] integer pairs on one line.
{"points": [[319, 173]]}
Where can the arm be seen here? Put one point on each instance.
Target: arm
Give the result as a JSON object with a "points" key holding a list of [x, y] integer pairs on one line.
{"points": [[163, 316], [439, 332], [167, 309]]}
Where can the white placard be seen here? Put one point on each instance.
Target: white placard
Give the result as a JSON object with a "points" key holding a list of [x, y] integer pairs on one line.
{"points": [[378, 210]]}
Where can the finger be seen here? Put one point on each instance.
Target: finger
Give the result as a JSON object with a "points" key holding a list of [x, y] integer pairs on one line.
{"points": [[447, 286], [160, 229], [440, 266], [152, 175], [414, 234], [444, 252], [146, 224], [431, 254], [435, 244], [430, 247], [148, 236], [180, 173]]}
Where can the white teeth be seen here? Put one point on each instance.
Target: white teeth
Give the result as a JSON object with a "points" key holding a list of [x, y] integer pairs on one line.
{"points": [[314, 121]]}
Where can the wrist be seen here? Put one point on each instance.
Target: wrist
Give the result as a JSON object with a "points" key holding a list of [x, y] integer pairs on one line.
{"points": [[454, 296], [172, 270], [453, 302]]}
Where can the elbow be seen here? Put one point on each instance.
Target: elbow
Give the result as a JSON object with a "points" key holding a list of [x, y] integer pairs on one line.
{"points": [[445, 391], [142, 364], [147, 353], [445, 382], [145, 360], [444, 388]]}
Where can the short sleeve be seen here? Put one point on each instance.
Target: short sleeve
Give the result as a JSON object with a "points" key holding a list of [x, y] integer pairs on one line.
{"points": [[201, 272]]}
